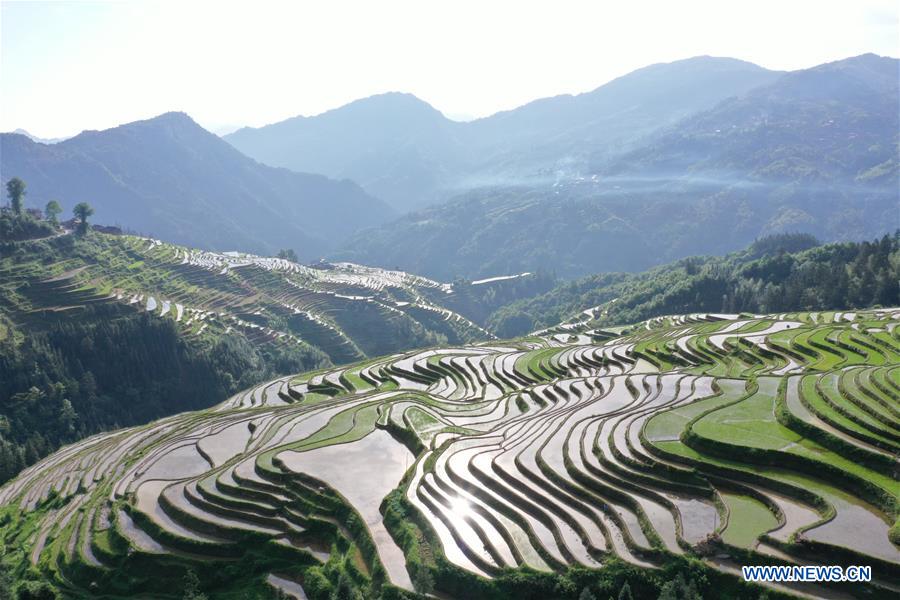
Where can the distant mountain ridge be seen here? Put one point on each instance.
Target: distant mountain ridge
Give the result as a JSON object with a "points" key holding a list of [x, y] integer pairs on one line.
{"points": [[169, 177], [693, 157], [813, 151], [39, 140], [402, 150], [837, 120], [394, 145]]}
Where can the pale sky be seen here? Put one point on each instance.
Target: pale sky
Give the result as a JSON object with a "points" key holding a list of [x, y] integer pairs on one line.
{"points": [[66, 66]]}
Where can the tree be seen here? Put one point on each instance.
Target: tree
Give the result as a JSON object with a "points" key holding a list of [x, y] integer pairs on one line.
{"points": [[288, 254], [668, 591], [67, 416], [679, 589], [5, 577], [35, 590], [586, 594], [52, 210], [192, 587], [15, 189], [422, 579], [82, 211]]}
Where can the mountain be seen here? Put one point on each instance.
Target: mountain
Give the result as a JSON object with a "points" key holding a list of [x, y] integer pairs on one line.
{"points": [[563, 135], [814, 151], [170, 178], [838, 121], [401, 149], [396, 146]]}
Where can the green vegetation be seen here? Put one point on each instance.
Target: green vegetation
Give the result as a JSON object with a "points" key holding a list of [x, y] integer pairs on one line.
{"points": [[52, 211], [748, 519], [775, 274], [528, 468], [288, 254], [82, 211], [103, 331], [17, 227], [15, 190], [114, 367]]}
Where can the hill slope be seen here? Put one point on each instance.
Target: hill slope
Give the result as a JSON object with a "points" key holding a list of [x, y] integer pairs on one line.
{"points": [[170, 178], [779, 273], [813, 152], [693, 444], [105, 331]]}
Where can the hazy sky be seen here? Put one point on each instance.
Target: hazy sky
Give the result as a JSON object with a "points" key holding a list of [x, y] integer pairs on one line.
{"points": [[72, 65]]}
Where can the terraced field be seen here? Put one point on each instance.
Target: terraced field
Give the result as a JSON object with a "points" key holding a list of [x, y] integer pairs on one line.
{"points": [[735, 439], [348, 311]]}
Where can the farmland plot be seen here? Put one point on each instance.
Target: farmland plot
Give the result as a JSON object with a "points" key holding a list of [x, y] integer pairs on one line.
{"points": [[722, 437]]}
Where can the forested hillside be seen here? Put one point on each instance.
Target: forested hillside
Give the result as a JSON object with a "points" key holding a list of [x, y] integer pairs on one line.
{"points": [[75, 360], [777, 273], [112, 366]]}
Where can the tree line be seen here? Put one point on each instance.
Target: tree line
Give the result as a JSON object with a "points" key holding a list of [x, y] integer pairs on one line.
{"points": [[19, 223]]}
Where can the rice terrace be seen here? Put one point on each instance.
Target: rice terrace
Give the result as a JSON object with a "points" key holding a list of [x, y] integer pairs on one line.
{"points": [[718, 439]]}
